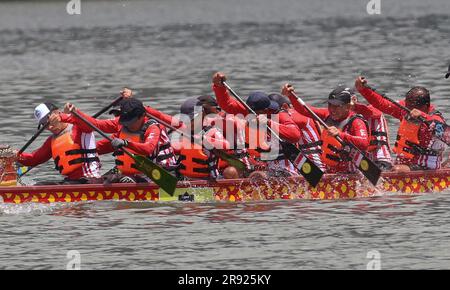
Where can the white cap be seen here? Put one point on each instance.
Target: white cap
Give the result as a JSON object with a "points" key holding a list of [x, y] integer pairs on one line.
{"points": [[41, 112]]}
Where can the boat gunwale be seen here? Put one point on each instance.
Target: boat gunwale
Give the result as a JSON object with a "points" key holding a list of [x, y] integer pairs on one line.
{"points": [[219, 183]]}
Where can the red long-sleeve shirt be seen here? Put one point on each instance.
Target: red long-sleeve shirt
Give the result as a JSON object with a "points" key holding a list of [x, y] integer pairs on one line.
{"points": [[367, 111], [147, 148], [81, 134], [213, 136], [425, 134], [286, 127], [387, 107], [357, 133]]}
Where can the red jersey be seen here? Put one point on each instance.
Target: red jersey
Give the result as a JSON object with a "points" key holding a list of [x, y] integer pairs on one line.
{"points": [[354, 132], [426, 137], [82, 135]]}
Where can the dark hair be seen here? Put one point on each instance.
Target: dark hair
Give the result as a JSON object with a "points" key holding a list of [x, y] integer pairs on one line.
{"points": [[418, 96]]}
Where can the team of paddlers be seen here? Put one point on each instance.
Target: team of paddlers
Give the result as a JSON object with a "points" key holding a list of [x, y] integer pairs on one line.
{"points": [[225, 123]]}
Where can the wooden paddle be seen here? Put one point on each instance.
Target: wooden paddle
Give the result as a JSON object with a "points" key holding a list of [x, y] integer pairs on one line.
{"points": [[33, 138], [441, 130], [230, 159], [308, 169], [367, 167], [25, 169], [159, 175], [114, 103]]}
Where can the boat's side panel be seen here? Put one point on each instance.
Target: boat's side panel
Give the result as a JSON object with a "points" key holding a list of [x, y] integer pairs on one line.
{"points": [[331, 187]]}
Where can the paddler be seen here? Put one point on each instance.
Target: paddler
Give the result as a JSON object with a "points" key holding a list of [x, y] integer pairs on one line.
{"points": [[379, 149], [310, 143], [416, 146], [342, 122], [203, 120], [257, 134], [141, 135], [71, 146]]}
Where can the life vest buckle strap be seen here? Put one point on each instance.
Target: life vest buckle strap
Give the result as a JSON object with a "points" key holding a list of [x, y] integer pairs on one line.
{"points": [[200, 161], [84, 160], [310, 145], [163, 157], [81, 151], [377, 133]]}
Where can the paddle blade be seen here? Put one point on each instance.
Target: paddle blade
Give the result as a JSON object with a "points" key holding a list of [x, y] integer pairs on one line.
{"points": [[308, 169], [159, 175], [230, 159], [366, 166], [442, 132], [22, 170]]}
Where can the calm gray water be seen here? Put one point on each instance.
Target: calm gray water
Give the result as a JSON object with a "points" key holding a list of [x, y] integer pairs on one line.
{"points": [[167, 51]]}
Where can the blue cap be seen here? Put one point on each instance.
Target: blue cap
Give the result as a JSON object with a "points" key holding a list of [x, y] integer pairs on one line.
{"points": [[258, 101]]}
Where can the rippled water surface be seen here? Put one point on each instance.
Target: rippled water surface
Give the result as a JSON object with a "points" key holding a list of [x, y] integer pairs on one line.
{"points": [[167, 51]]}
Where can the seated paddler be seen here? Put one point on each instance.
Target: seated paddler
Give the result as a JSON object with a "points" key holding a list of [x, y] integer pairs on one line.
{"points": [[71, 146]]}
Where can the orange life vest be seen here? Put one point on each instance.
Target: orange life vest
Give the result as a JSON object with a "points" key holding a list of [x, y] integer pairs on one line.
{"points": [[332, 149], [67, 155], [407, 144], [194, 163], [125, 164]]}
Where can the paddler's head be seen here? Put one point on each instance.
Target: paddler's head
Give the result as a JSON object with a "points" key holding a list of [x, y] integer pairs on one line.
{"points": [[340, 102], [132, 114], [418, 98], [283, 103], [46, 113], [261, 103], [196, 108]]}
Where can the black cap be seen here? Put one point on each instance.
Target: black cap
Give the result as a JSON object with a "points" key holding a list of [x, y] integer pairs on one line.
{"points": [[259, 101], [448, 73], [341, 95], [130, 110], [279, 99]]}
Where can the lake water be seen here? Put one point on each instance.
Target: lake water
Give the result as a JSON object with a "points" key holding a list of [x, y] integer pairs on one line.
{"points": [[167, 51]]}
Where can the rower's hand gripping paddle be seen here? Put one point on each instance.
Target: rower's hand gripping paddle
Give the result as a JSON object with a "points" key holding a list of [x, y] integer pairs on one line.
{"points": [[308, 169], [440, 129], [159, 175], [366, 166]]}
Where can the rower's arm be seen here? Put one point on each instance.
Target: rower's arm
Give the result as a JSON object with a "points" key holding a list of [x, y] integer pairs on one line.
{"points": [[286, 128], [321, 112], [380, 103], [165, 117], [39, 156], [104, 146], [147, 148], [228, 103], [72, 119], [358, 135], [367, 111], [107, 126]]}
